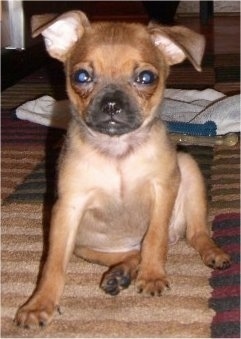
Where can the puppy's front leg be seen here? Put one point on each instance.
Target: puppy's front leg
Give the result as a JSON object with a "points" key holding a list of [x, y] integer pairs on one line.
{"points": [[151, 278], [39, 309]]}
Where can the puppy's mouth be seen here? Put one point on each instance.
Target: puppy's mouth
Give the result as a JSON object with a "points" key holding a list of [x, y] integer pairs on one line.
{"points": [[113, 113], [112, 127]]}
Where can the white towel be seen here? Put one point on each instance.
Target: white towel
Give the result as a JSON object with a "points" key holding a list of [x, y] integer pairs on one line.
{"points": [[202, 106], [46, 111]]}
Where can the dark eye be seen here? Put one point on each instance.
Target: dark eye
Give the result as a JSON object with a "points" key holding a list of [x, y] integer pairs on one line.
{"points": [[145, 78], [82, 76]]}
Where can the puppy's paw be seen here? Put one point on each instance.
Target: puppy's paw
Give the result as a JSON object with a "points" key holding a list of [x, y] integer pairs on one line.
{"points": [[35, 314], [216, 258], [151, 284], [115, 279]]}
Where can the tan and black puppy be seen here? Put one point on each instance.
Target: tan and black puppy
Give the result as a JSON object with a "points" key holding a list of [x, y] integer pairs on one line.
{"points": [[124, 192]]}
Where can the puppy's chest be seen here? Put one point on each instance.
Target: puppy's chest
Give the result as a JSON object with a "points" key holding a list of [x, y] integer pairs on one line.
{"points": [[117, 216]]}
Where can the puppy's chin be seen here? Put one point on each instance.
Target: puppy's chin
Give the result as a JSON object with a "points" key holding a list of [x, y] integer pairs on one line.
{"points": [[116, 146], [113, 128], [110, 143]]}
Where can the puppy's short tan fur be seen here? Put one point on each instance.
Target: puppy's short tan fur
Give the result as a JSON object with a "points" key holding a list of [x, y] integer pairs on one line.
{"points": [[123, 190]]}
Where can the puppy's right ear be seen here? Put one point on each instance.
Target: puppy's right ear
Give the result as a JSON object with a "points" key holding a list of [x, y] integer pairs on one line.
{"points": [[60, 32]]}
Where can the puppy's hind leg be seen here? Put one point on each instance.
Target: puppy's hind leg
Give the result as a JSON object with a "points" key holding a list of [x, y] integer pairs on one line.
{"points": [[195, 214], [119, 276]]}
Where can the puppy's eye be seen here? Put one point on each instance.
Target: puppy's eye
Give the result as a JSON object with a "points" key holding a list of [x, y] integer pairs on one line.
{"points": [[145, 78], [82, 77]]}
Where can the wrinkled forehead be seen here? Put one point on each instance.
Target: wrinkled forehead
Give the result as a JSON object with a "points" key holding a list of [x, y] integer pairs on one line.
{"points": [[115, 45], [118, 56]]}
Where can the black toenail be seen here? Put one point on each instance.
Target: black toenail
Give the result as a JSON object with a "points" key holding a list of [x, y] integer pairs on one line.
{"points": [[42, 323]]}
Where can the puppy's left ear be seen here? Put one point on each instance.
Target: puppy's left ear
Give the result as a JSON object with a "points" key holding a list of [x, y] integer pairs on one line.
{"points": [[178, 43]]}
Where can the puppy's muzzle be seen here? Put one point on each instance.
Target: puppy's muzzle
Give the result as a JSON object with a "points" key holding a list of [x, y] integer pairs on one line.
{"points": [[113, 112]]}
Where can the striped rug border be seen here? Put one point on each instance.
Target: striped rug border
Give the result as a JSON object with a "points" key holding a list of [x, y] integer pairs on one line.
{"points": [[225, 298]]}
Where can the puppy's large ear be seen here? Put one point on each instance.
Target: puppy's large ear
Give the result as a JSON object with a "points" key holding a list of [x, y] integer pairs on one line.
{"points": [[178, 43], [60, 32]]}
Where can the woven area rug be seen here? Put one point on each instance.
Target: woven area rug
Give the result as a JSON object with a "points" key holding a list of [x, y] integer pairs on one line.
{"points": [[193, 305]]}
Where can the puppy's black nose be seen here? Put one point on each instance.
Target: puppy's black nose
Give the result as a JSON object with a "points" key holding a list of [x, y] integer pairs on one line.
{"points": [[111, 107]]}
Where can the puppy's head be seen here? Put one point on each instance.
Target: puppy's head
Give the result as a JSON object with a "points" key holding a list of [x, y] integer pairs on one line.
{"points": [[116, 72]]}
